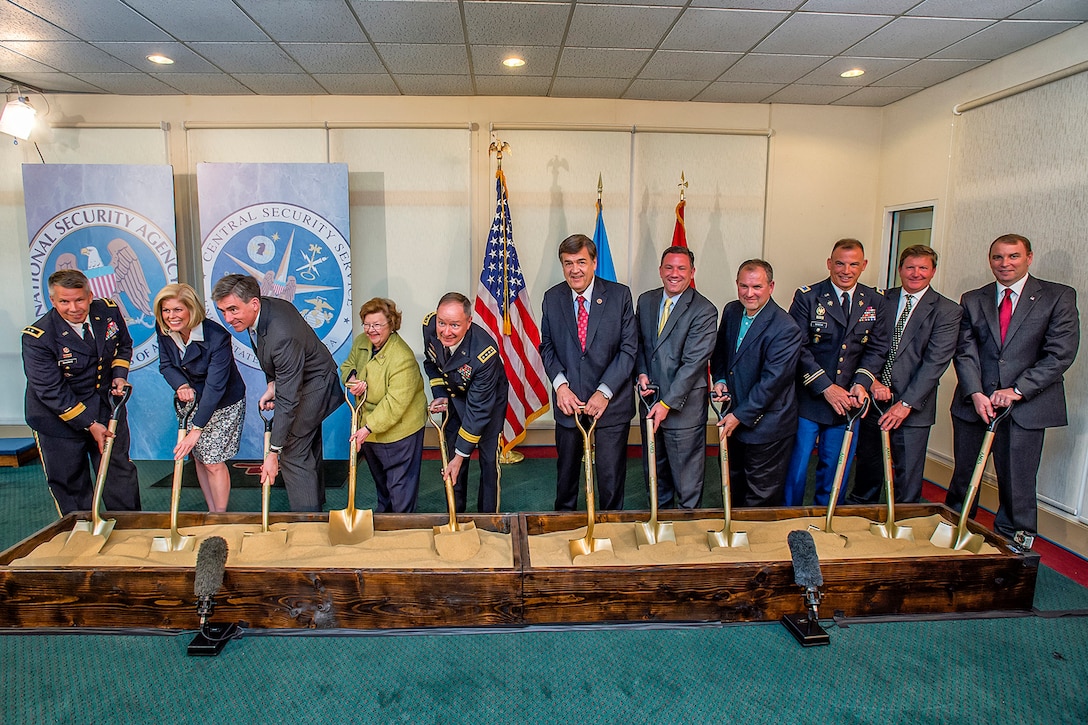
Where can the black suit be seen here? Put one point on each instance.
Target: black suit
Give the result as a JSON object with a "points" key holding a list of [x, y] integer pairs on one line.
{"points": [[925, 350], [1040, 345], [307, 391], [67, 389], [609, 359], [759, 376], [676, 360]]}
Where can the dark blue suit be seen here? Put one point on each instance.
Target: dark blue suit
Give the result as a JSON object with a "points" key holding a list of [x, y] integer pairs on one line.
{"points": [[68, 389], [208, 367], [609, 358], [760, 378]]}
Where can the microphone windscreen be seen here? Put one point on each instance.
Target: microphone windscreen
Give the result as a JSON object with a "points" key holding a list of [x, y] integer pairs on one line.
{"points": [[211, 560], [806, 564]]}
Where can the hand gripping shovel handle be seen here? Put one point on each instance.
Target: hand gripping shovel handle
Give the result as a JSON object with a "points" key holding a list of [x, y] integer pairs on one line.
{"points": [[976, 475], [185, 413], [117, 404], [648, 402], [587, 443], [353, 463], [721, 409], [852, 417], [447, 480], [266, 485]]}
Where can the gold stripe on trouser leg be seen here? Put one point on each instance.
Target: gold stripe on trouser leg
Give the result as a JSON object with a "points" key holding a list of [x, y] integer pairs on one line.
{"points": [[56, 504], [498, 475]]}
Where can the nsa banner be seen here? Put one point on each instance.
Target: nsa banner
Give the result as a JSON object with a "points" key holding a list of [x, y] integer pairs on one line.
{"points": [[115, 223], [287, 226]]}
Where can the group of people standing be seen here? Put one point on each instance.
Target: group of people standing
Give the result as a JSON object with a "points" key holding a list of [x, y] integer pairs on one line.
{"points": [[790, 378]]}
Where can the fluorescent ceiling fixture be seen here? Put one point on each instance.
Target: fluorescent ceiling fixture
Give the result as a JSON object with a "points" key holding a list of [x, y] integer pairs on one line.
{"points": [[852, 73], [18, 118], [513, 62], [160, 59]]}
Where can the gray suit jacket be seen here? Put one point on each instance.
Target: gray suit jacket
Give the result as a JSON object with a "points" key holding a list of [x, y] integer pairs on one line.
{"points": [[1040, 345], [925, 350], [676, 360], [307, 385]]}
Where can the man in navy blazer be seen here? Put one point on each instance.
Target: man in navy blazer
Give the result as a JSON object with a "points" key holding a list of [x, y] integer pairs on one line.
{"points": [[754, 363], [1018, 336], [588, 342], [675, 339], [924, 326]]}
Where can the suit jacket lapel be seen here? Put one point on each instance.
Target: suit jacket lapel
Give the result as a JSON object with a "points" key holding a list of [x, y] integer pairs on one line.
{"points": [[600, 294], [989, 311], [831, 301], [72, 340], [858, 303], [758, 326], [926, 307], [1031, 291], [679, 307]]}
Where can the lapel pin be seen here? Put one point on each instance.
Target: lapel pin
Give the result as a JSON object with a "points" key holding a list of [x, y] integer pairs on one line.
{"points": [[600, 301]]}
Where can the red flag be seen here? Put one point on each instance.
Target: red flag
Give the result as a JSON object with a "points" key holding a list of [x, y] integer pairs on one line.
{"points": [[679, 233]]}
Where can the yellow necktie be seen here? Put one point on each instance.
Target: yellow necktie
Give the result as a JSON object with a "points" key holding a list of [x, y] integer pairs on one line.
{"points": [[664, 316]]}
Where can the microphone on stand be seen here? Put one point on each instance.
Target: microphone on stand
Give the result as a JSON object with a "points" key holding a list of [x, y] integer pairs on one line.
{"points": [[806, 627], [211, 562]]}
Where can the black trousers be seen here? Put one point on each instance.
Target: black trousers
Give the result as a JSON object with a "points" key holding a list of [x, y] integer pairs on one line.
{"points": [[395, 468], [908, 446], [680, 454], [487, 498], [610, 471], [757, 472], [71, 467]]}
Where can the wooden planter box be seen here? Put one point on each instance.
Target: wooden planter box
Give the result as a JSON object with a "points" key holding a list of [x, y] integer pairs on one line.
{"points": [[764, 591], [265, 598]]}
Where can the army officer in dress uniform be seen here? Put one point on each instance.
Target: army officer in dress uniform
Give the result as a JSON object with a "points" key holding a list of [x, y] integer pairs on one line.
{"points": [[467, 380], [74, 358]]}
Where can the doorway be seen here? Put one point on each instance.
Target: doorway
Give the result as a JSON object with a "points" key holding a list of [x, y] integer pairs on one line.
{"points": [[904, 227]]}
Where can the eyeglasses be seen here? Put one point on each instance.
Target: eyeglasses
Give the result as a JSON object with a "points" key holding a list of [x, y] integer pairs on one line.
{"points": [[374, 326]]}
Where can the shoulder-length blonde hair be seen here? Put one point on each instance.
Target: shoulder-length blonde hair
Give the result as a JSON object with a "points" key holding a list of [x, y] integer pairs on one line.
{"points": [[184, 294]]}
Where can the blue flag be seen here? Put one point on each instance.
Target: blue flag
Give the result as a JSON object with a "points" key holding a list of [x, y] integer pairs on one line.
{"points": [[605, 268]]}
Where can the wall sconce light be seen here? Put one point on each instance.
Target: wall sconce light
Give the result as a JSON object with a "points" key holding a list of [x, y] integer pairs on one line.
{"points": [[18, 118]]}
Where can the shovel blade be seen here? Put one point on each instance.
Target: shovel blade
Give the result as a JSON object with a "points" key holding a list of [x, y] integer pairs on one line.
{"points": [[83, 540], [649, 534], [892, 531], [734, 540], [459, 545], [174, 542], [828, 536], [587, 546], [944, 536], [257, 540], [970, 542], [453, 527], [350, 527]]}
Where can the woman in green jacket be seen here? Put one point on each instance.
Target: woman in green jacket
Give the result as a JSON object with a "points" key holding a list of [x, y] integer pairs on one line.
{"points": [[391, 424]]}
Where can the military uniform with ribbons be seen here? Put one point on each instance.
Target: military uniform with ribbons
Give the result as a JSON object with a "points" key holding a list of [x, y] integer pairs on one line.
{"points": [[474, 382], [67, 390]]}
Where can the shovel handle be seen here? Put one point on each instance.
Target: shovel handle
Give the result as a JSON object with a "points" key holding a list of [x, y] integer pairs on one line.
{"points": [[854, 414], [185, 413], [117, 402], [648, 401], [267, 422], [1005, 412], [722, 408]]}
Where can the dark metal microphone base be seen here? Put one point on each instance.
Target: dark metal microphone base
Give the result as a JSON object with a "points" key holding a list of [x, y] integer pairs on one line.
{"points": [[807, 632], [211, 639]]}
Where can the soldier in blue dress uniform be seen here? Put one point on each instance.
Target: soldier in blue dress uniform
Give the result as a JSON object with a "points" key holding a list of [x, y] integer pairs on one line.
{"points": [[74, 357], [468, 380]]}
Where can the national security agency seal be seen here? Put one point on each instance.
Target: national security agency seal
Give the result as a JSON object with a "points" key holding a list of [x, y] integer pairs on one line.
{"points": [[125, 255], [295, 254]]}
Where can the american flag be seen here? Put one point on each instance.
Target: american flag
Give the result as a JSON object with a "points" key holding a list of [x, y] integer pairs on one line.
{"points": [[502, 307]]}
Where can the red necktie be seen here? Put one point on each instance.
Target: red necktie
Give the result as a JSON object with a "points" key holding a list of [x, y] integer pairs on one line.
{"points": [[1004, 313], [583, 321]]}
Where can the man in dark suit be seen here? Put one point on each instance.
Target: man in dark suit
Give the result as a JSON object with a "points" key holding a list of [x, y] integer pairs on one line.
{"points": [[303, 385], [1018, 336], [675, 339], [588, 342], [846, 343], [468, 380], [75, 357], [924, 328], [755, 363]]}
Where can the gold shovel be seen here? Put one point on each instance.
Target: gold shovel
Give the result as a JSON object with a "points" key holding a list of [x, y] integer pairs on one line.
{"points": [[352, 525], [265, 535], [889, 529], [648, 533], [852, 417], [177, 542], [98, 527], [726, 538], [588, 545], [454, 540], [958, 537]]}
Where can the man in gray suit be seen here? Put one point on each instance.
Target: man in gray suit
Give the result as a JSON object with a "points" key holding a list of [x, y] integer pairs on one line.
{"points": [[675, 339], [588, 343], [923, 328], [1018, 336], [303, 385]]}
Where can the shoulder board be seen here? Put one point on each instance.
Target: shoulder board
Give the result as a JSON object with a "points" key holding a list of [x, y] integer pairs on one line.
{"points": [[805, 289], [110, 302], [487, 354], [33, 331], [427, 319]]}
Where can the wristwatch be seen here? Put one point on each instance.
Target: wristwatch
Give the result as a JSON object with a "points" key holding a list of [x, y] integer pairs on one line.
{"points": [[905, 404]]}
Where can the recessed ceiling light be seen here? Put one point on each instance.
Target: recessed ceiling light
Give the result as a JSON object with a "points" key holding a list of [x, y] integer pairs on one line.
{"points": [[160, 59], [513, 62], [852, 73]]}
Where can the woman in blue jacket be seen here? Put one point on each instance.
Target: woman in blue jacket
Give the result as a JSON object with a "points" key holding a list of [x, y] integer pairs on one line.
{"points": [[196, 359]]}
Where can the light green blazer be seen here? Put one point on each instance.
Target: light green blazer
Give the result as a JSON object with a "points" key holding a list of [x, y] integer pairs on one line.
{"points": [[396, 405]]}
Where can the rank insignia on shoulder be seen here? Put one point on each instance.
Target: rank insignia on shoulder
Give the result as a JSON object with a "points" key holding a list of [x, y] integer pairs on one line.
{"points": [[804, 289], [110, 302], [427, 319], [487, 354], [33, 331]]}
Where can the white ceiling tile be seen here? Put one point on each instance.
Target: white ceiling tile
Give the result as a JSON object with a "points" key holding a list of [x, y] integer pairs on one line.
{"points": [[311, 21], [247, 57], [655, 90], [755, 68], [135, 54], [511, 86], [349, 84], [424, 59], [722, 92], [564, 87], [204, 20], [12, 62], [539, 61], [128, 84], [54, 82], [864, 7], [500, 23], [992, 9], [873, 96], [721, 30], [410, 22], [875, 69], [335, 57], [96, 19], [281, 84], [18, 24], [1055, 10], [660, 3], [916, 37], [618, 26], [929, 72], [204, 84], [817, 95], [434, 85], [601, 62], [65, 55], [749, 4], [687, 65], [820, 34], [1004, 37]]}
